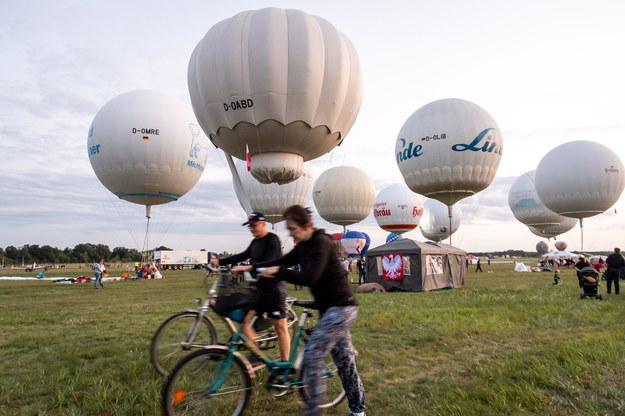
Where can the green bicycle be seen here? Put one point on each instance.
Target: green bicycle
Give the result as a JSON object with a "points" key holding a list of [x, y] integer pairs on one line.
{"points": [[218, 379]]}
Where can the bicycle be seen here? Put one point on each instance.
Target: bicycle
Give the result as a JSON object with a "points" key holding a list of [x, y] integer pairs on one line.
{"points": [[194, 328], [217, 380]]}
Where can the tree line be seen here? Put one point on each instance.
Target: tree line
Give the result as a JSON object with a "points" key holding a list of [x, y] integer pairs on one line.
{"points": [[81, 253]]}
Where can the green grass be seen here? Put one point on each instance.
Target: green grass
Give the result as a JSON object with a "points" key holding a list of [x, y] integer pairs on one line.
{"points": [[507, 344]]}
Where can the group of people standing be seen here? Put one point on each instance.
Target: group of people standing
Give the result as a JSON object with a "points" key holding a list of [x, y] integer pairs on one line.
{"points": [[615, 269]]}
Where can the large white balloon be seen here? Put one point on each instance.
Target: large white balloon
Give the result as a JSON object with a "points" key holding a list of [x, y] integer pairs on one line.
{"points": [[580, 179], [527, 207], [551, 231], [285, 84], [397, 209], [343, 195], [435, 220], [448, 150], [272, 199], [146, 147]]}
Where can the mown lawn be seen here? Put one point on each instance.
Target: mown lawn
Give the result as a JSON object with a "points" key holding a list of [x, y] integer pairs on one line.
{"points": [[507, 344]]}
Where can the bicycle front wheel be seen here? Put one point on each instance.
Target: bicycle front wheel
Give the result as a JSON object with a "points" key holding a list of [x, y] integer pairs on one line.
{"points": [[171, 341], [334, 387], [208, 382]]}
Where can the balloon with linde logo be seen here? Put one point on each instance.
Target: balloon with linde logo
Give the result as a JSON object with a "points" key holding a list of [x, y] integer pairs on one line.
{"points": [[448, 150], [282, 83]]}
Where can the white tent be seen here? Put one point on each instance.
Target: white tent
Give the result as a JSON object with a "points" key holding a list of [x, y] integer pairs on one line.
{"points": [[520, 267], [560, 254]]}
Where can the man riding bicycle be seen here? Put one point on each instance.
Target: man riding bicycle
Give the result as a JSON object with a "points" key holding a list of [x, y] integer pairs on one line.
{"points": [[271, 293]]}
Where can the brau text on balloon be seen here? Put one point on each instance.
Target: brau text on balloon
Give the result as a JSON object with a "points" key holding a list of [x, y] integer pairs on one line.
{"points": [[239, 105]]}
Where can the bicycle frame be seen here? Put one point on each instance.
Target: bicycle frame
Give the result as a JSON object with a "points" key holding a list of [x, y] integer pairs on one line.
{"points": [[281, 368]]}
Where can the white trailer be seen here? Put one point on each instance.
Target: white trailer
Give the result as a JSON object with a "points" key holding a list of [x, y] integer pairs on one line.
{"points": [[172, 259]]}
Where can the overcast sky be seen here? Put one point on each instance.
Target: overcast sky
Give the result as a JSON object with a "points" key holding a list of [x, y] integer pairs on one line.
{"points": [[548, 71]]}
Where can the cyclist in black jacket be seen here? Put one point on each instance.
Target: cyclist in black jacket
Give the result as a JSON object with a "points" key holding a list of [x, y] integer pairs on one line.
{"points": [[322, 271], [270, 294]]}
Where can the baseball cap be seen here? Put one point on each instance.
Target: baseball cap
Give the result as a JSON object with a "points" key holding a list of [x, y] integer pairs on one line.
{"points": [[254, 217]]}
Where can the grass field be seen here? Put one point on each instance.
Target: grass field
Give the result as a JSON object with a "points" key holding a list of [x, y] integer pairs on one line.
{"points": [[507, 344]]}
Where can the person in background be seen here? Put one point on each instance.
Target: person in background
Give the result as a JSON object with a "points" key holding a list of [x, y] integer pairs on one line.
{"points": [[581, 263], [360, 264], [322, 271], [615, 263], [556, 277], [271, 293], [478, 268], [98, 271]]}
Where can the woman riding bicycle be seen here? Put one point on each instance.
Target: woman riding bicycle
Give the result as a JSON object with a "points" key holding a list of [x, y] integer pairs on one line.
{"points": [[321, 270]]}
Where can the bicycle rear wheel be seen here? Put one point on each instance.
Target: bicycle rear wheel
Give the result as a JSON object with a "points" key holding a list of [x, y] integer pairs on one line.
{"points": [[166, 348], [335, 393], [203, 383]]}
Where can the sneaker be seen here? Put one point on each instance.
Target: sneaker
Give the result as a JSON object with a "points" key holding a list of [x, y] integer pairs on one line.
{"points": [[356, 414]]}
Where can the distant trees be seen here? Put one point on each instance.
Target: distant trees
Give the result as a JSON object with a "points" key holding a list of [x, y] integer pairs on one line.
{"points": [[81, 253]]}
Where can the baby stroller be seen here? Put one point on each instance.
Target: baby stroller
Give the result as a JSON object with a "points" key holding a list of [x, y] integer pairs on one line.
{"points": [[589, 278]]}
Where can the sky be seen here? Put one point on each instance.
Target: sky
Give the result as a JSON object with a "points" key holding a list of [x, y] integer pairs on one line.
{"points": [[548, 71]]}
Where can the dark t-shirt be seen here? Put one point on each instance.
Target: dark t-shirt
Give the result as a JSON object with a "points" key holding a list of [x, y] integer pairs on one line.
{"points": [[262, 249]]}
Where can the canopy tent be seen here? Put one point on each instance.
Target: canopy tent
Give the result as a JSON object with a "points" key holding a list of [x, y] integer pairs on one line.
{"points": [[560, 254], [413, 266]]}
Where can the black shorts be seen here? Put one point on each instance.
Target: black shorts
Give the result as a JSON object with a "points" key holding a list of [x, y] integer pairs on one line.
{"points": [[271, 301]]}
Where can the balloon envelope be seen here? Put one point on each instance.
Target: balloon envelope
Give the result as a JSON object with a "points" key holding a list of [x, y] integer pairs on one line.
{"points": [[353, 243], [435, 220], [551, 231], [580, 179], [397, 209], [272, 199], [367, 244], [527, 207], [146, 147], [343, 195], [561, 245], [448, 150], [282, 83], [394, 237], [542, 248]]}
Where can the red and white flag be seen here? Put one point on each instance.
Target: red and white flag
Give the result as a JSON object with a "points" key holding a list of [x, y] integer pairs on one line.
{"points": [[248, 158]]}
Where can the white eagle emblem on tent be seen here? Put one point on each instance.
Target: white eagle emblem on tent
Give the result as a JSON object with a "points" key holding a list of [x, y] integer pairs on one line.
{"points": [[392, 266]]}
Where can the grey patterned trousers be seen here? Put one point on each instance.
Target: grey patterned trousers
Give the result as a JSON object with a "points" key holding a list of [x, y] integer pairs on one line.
{"points": [[332, 336]]}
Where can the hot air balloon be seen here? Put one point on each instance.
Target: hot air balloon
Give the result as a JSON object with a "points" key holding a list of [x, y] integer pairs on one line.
{"points": [[272, 199], [561, 245], [146, 147], [448, 150], [435, 220], [353, 243], [580, 179], [343, 195], [283, 84], [394, 237], [551, 231], [527, 207], [397, 209], [367, 244], [542, 248]]}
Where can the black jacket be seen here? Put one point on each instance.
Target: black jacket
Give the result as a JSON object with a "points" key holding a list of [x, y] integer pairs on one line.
{"points": [[260, 249], [321, 270]]}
